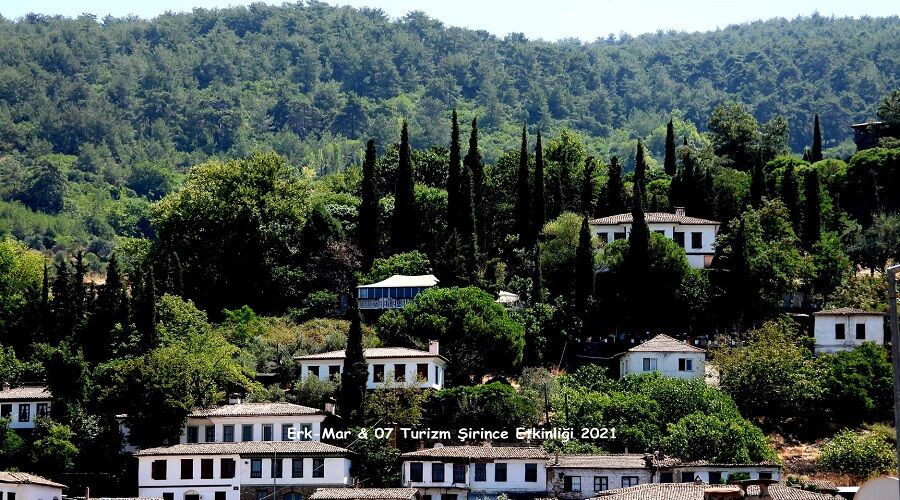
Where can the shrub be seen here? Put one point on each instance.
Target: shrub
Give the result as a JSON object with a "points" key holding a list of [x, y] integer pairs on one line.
{"points": [[862, 455]]}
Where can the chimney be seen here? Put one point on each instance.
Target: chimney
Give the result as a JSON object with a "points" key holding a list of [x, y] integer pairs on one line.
{"points": [[679, 211], [434, 347], [87, 493], [5, 386]]}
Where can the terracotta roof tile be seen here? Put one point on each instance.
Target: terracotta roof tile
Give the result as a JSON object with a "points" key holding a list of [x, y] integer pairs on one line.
{"points": [[652, 217], [26, 393], [10, 477], [611, 461], [691, 491], [843, 311], [664, 343], [374, 353], [364, 493], [480, 452], [255, 409], [245, 448]]}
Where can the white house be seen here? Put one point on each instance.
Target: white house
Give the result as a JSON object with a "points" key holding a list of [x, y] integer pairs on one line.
{"points": [[22, 405], [697, 236], [394, 292], [845, 328], [475, 472], [673, 470], [25, 486], [666, 355], [241, 422], [366, 494], [576, 477], [387, 365], [242, 471]]}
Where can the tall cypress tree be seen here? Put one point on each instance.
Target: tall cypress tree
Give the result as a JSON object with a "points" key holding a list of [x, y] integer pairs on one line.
{"points": [[473, 162], [453, 177], [816, 153], [468, 240], [669, 161], [638, 260], [587, 187], [789, 195], [640, 173], [758, 184], [538, 216], [812, 219], [355, 375], [612, 200], [584, 269], [523, 199], [537, 284], [404, 222], [104, 319], [367, 228]]}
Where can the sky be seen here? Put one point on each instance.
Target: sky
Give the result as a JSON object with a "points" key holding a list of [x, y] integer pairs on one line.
{"points": [[547, 19]]}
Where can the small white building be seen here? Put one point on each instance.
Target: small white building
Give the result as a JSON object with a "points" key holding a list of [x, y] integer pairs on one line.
{"points": [[387, 366], [243, 422], [25, 486], [576, 477], [394, 292], [845, 328], [673, 470], [242, 471], [696, 236], [664, 354], [22, 405], [475, 472]]}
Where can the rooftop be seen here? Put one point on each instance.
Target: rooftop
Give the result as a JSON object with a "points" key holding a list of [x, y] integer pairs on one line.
{"points": [[10, 477], [245, 448], [375, 353], [653, 217], [692, 491], [480, 452], [255, 409], [364, 493], [612, 461], [25, 393], [677, 462], [401, 280], [847, 311], [664, 343]]}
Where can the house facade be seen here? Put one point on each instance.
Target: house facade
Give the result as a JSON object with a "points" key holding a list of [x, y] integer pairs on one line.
{"points": [[244, 422], [673, 470], [25, 486], [394, 292], [387, 366], [846, 328], [696, 236], [666, 355], [576, 477], [23, 405], [242, 471], [475, 472]]}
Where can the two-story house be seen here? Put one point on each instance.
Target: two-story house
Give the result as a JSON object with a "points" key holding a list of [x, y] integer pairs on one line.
{"points": [[576, 477], [394, 292], [475, 472], [696, 236], [253, 470], [23, 405], [387, 366], [243, 422], [846, 328], [666, 355], [25, 486]]}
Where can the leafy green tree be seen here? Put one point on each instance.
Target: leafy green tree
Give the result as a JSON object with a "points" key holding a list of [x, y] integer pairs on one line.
{"points": [[411, 264], [12, 446], [815, 153], [861, 455], [405, 220], [700, 436], [733, 132], [858, 385], [877, 244], [355, 375], [68, 378], [489, 406], [45, 189], [376, 466], [758, 185], [53, 451], [669, 161], [774, 139], [831, 267], [523, 200], [367, 228], [559, 253], [889, 108], [20, 286]]}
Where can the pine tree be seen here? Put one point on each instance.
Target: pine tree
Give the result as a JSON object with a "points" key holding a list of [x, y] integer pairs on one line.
{"points": [[473, 162], [523, 200], [355, 375], [468, 240], [640, 173], [758, 184], [789, 195], [453, 178], [669, 161], [538, 216], [584, 269], [367, 228], [812, 220], [587, 187], [816, 153], [404, 222]]}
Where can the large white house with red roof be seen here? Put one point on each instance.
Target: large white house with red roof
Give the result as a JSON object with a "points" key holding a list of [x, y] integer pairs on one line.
{"points": [[666, 355], [387, 366], [697, 236]]}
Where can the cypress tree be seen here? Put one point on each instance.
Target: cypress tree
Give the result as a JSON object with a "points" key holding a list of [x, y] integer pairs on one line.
{"points": [[473, 162], [613, 199], [567, 201], [669, 162], [523, 200], [453, 178], [638, 260], [640, 173], [789, 195], [584, 268], [587, 187], [404, 222], [468, 240], [812, 220], [816, 153], [104, 319], [537, 285], [355, 375], [758, 184], [539, 215], [367, 228], [806, 156], [63, 309]]}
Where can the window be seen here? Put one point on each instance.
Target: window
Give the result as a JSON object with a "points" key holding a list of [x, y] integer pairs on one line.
{"points": [[256, 467], [437, 473], [860, 335], [187, 468], [839, 331], [24, 412], [572, 483], [297, 467], [228, 467], [685, 365], [601, 483], [659, 231], [629, 481], [649, 364], [42, 407], [168, 496], [305, 433], [209, 434], [191, 496], [603, 237], [415, 472], [247, 432], [11, 495], [378, 373], [192, 434], [448, 496], [314, 371], [696, 241], [426, 497], [765, 475], [333, 371], [619, 236], [267, 432], [687, 477], [158, 469], [5, 410], [459, 473], [220, 495], [530, 473], [206, 468], [277, 468], [665, 477], [318, 467], [481, 472], [228, 433], [422, 371], [678, 236], [286, 432], [715, 477], [500, 473], [292, 496], [399, 373], [262, 494]]}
